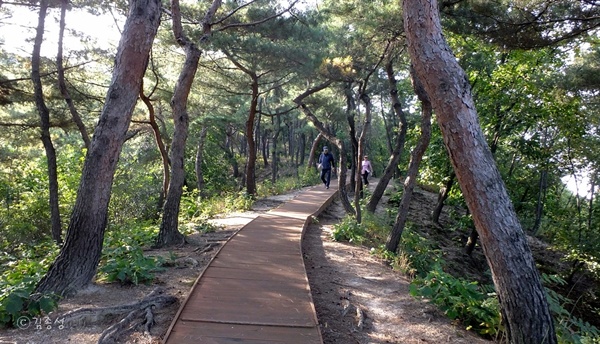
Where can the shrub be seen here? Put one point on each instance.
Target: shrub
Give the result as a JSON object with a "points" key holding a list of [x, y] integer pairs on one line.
{"points": [[420, 253], [569, 328], [128, 265], [18, 282], [123, 259], [461, 300], [349, 230]]}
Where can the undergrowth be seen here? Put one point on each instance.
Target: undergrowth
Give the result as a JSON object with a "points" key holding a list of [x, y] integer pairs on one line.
{"points": [[20, 273], [474, 306]]}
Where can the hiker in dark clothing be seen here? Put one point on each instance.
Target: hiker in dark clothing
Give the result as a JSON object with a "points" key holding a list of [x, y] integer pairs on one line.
{"points": [[327, 162]]}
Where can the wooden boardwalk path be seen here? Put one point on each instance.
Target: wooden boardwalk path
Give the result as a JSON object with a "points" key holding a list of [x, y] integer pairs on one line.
{"points": [[256, 290]]}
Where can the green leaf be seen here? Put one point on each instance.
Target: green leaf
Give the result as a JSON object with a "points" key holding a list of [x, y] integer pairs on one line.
{"points": [[13, 304], [48, 304]]}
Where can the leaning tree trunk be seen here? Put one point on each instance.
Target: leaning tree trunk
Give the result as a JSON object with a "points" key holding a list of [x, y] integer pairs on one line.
{"points": [[392, 164], [45, 126], [522, 297], [76, 264], [413, 168], [169, 229]]}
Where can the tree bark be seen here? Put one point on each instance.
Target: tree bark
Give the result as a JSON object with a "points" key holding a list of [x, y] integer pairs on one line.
{"points": [[44, 114], [522, 297], [169, 229], [413, 168], [76, 264], [392, 164], [251, 164]]}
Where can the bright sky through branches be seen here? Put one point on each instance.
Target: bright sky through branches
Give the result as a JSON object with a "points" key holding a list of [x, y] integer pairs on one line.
{"points": [[18, 31]]}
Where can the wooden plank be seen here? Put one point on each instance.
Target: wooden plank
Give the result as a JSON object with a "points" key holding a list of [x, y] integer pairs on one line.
{"points": [[256, 290], [257, 273], [214, 333]]}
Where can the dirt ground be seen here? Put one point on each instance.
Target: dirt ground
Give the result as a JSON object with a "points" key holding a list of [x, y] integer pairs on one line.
{"points": [[343, 278]]}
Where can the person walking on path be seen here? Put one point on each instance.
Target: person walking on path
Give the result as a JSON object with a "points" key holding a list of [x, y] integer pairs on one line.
{"points": [[366, 169], [327, 162]]}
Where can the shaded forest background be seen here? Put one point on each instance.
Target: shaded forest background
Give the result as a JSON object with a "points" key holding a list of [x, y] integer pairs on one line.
{"points": [[275, 81]]}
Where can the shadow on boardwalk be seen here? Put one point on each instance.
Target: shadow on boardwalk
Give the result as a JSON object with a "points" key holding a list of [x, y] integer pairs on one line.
{"points": [[255, 290]]}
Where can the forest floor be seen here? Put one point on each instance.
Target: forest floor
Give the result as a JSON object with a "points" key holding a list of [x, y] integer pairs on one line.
{"points": [[343, 278]]}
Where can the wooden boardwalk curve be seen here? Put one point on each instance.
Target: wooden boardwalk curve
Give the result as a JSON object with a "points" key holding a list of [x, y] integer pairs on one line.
{"points": [[255, 290]]}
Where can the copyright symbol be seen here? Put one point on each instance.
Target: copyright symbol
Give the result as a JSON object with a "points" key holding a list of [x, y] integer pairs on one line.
{"points": [[23, 322]]}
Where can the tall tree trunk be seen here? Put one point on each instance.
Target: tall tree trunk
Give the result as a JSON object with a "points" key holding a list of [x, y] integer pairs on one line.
{"points": [[413, 168], [251, 163], [275, 160], [253, 112], [169, 229], [264, 144], [75, 265], [301, 150], [62, 85], [362, 141], [45, 126], [200, 184], [522, 297], [392, 164], [442, 197]]}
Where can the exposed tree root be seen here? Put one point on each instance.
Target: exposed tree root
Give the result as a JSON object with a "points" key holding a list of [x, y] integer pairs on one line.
{"points": [[136, 314], [360, 315]]}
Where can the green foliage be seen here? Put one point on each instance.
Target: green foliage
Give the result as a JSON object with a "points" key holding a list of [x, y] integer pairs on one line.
{"points": [[128, 265], [420, 253], [281, 186], [19, 276], [461, 300], [123, 258], [310, 177], [371, 231], [349, 230], [240, 201], [137, 183], [569, 328]]}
